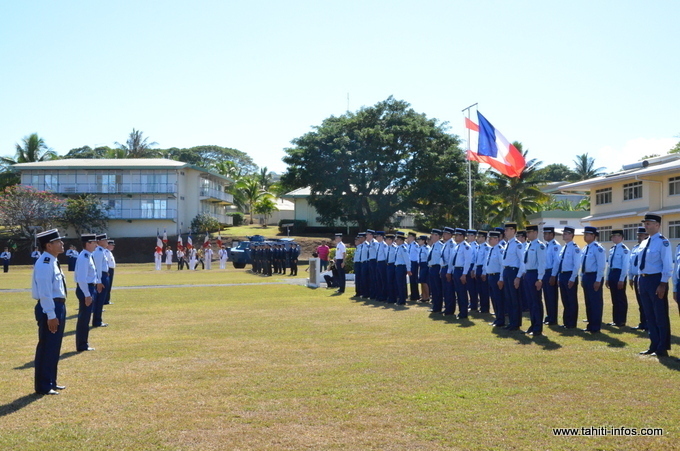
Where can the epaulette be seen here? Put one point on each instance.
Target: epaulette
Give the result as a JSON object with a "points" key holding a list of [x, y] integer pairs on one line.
{"points": [[47, 260]]}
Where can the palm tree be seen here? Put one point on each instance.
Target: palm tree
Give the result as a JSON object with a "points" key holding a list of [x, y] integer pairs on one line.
{"points": [[516, 197], [249, 192], [33, 150], [584, 168], [265, 178], [136, 147], [265, 207]]}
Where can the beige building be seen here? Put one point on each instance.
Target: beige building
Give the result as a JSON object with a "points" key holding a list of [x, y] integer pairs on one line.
{"points": [[620, 200], [143, 196]]}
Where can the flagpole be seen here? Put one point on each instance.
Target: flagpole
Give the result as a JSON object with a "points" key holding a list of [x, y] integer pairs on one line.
{"points": [[469, 168]]}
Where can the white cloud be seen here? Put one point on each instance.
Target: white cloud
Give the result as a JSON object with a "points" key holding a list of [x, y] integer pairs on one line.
{"points": [[613, 158]]}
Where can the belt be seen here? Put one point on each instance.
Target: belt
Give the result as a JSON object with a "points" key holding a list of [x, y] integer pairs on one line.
{"points": [[399, 265], [591, 272], [648, 275], [434, 266], [492, 273], [391, 264], [60, 300], [382, 261], [532, 270], [371, 259], [511, 267], [459, 267], [566, 272]]}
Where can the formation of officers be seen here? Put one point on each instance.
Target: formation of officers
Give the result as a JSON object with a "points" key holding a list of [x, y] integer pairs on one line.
{"points": [[272, 258], [513, 271], [94, 269]]}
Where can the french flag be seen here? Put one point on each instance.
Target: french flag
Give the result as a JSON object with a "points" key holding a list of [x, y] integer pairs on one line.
{"points": [[493, 149], [165, 237], [159, 244], [206, 242]]}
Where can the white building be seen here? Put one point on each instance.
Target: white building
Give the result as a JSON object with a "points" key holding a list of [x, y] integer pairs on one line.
{"points": [[143, 195]]}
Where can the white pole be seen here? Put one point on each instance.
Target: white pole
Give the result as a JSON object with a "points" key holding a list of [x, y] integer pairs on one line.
{"points": [[469, 168]]}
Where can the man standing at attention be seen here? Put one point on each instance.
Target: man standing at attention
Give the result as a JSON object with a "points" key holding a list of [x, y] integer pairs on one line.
{"points": [[593, 263], [413, 251], [86, 279], [49, 289], [102, 268], [340, 251], [512, 256], [616, 279], [565, 272], [550, 286]]}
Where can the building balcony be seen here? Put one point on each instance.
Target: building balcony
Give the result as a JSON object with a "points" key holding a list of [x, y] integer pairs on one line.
{"points": [[138, 213], [215, 195], [222, 219], [109, 188]]}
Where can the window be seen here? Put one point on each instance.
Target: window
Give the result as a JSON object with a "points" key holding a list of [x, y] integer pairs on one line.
{"points": [[154, 183], [630, 232], [107, 183], [564, 222], [603, 196], [605, 234], [114, 207], [673, 186], [674, 229], [154, 209], [51, 182], [632, 191]]}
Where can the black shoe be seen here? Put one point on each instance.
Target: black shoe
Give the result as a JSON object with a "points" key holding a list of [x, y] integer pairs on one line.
{"points": [[660, 354], [612, 324], [434, 311], [536, 334], [448, 314], [51, 392], [646, 352], [86, 349], [461, 317], [60, 387], [638, 328], [528, 331]]}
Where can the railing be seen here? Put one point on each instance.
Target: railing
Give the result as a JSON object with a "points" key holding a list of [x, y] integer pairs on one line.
{"points": [[223, 219], [217, 194], [109, 188], [138, 213]]}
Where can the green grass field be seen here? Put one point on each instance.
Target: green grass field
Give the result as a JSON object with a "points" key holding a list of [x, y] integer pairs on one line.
{"points": [[280, 366]]}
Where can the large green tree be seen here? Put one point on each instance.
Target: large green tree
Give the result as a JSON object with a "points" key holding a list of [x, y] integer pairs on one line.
{"points": [[85, 213], [365, 166], [88, 152], [136, 146], [556, 172], [211, 156]]}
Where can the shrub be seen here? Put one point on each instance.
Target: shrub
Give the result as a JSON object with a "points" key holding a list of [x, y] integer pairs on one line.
{"points": [[237, 218], [299, 226], [349, 259]]}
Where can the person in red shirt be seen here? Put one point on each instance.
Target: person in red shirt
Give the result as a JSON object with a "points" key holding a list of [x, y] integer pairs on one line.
{"points": [[323, 252]]}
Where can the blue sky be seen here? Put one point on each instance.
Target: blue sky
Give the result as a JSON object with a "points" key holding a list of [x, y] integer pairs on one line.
{"points": [[563, 78]]}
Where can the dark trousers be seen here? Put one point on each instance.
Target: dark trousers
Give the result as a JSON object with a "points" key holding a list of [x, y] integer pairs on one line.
{"points": [[366, 278], [5, 265], [381, 281], [72, 263], [330, 283], [357, 277], [435, 284], [471, 287], [461, 291], [372, 276], [497, 298], [448, 292], [535, 302], [594, 302], [569, 300], [84, 315], [413, 281], [341, 275], [643, 319], [656, 312], [294, 267], [482, 290], [512, 301], [550, 295], [98, 301], [48, 349], [107, 301], [391, 286], [619, 297], [400, 283]]}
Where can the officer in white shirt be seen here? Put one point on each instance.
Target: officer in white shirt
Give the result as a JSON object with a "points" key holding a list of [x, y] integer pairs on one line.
{"points": [[168, 257], [593, 262], [531, 271], [634, 275], [480, 258], [448, 290], [423, 276], [402, 264], [459, 265], [224, 256], [158, 259], [391, 269], [358, 248], [208, 255], [49, 289], [111, 262], [565, 271], [413, 251], [72, 255], [492, 273], [102, 267], [380, 278], [550, 285], [35, 255], [471, 286], [86, 279], [433, 270], [340, 251], [512, 257], [618, 262], [5, 256]]}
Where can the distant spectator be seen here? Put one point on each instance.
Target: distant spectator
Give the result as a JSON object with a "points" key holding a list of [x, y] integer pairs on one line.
{"points": [[323, 252], [331, 276]]}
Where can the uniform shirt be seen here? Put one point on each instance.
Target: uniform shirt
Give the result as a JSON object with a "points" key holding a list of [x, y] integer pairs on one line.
{"points": [[48, 283], [363, 248], [85, 272], [534, 259], [110, 259], [340, 251], [423, 252], [594, 258], [391, 253], [474, 245], [402, 257], [72, 253], [513, 254], [619, 259], [657, 258], [634, 261], [180, 254], [435, 256], [494, 260], [413, 251], [158, 255], [676, 268], [168, 255], [461, 257], [208, 254], [357, 253], [100, 263], [482, 252], [569, 260], [447, 252], [223, 254], [372, 249], [6, 255], [552, 254], [35, 254], [381, 253]]}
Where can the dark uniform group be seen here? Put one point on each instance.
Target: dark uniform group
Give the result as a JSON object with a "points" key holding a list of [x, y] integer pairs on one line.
{"points": [[272, 258], [512, 272], [93, 271]]}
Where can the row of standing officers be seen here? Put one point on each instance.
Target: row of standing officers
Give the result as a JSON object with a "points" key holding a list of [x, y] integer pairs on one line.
{"points": [[513, 271]]}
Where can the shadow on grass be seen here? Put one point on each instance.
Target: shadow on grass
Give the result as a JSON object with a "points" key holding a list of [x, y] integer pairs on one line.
{"points": [[19, 404], [670, 362], [31, 364], [544, 342], [72, 316], [452, 319], [611, 341]]}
